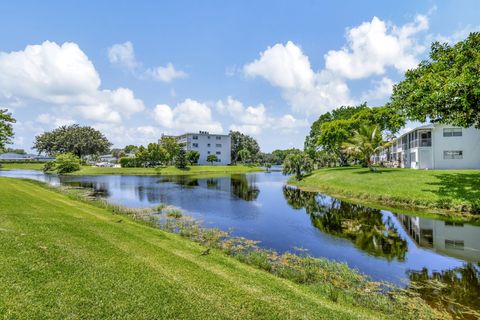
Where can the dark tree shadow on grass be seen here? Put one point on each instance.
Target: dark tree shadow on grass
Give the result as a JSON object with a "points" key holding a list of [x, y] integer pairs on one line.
{"points": [[463, 187]]}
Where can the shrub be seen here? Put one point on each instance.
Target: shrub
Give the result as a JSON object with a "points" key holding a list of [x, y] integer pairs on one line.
{"points": [[126, 162], [181, 159], [49, 166], [66, 163]]}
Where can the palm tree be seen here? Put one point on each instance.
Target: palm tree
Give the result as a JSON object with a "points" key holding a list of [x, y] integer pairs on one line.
{"points": [[366, 141], [297, 163]]}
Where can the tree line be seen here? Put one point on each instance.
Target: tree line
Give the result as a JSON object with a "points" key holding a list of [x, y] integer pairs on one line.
{"points": [[444, 88]]}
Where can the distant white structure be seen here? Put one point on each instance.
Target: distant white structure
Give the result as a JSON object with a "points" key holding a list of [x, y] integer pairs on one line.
{"points": [[207, 144], [434, 146], [24, 157]]}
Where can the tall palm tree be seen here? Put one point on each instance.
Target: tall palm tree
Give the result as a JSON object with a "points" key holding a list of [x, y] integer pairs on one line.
{"points": [[365, 142]]}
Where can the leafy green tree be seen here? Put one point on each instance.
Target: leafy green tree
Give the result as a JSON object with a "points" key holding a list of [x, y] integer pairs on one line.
{"points": [[212, 158], [130, 149], [268, 166], [244, 155], [181, 159], [343, 113], [17, 151], [80, 141], [445, 87], [117, 153], [297, 163], [171, 145], [242, 141], [193, 156], [366, 141], [64, 163], [333, 129], [278, 156], [156, 155], [6, 129]]}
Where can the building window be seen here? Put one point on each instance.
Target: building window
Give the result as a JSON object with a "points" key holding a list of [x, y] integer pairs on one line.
{"points": [[208, 145], [195, 137], [452, 132], [218, 145], [195, 145], [413, 156], [208, 137], [218, 152], [208, 152], [218, 138], [454, 244], [457, 154]]}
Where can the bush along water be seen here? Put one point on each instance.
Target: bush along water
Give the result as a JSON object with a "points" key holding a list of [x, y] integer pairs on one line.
{"points": [[330, 279]]}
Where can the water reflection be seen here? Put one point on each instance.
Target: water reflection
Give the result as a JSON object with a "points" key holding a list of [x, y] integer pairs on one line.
{"points": [[455, 239], [365, 227], [382, 244], [455, 290], [236, 184]]}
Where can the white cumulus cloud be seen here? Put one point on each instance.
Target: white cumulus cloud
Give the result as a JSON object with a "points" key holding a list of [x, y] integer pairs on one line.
{"points": [[122, 54], [187, 116], [371, 48], [166, 74], [62, 75], [375, 45], [253, 120], [382, 89]]}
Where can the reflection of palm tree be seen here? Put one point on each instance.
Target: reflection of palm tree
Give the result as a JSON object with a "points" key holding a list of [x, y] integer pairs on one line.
{"points": [[361, 225], [244, 189], [456, 290]]}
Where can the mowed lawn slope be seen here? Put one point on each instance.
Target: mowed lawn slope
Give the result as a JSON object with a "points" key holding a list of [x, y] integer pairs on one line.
{"points": [[64, 259], [454, 190]]}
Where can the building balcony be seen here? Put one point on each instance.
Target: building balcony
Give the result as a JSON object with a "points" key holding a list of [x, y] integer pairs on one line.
{"points": [[426, 142]]}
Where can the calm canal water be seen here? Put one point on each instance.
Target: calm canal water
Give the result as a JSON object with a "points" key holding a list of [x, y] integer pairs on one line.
{"points": [[383, 244]]}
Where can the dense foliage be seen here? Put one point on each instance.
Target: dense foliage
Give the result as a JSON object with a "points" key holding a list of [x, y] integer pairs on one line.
{"points": [[64, 163], [6, 129], [297, 163], [212, 158], [80, 141], [193, 156], [365, 142], [332, 130], [444, 88], [244, 155], [242, 141], [181, 159]]}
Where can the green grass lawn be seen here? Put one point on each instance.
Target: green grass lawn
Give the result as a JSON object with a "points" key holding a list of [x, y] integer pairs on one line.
{"points": [[23, 166], [457, 191], [171, 170], [65, 259]]}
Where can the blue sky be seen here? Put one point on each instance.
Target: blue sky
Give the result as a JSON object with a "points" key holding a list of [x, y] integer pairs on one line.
{"points": [[138, 69]]}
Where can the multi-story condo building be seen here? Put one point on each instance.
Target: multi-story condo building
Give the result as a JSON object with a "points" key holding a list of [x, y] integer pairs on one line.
{"points": [[434, 146], [207, 144]]}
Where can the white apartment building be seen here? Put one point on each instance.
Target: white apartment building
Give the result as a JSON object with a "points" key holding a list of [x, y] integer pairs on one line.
{"points": [[434, 146], [207, 144]]}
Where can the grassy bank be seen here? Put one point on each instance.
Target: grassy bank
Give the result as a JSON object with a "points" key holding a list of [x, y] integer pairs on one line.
{"points": [[171, 170], [62, 258], [454, 193]]}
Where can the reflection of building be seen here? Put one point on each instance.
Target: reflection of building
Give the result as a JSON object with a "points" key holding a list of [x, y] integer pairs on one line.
{"points": [[207, 144], [434, 146], [451, 238]]}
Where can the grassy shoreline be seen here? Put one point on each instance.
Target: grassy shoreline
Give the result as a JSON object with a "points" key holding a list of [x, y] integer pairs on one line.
{"points": [[170, 170], [91, 259], [446, 193]]}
